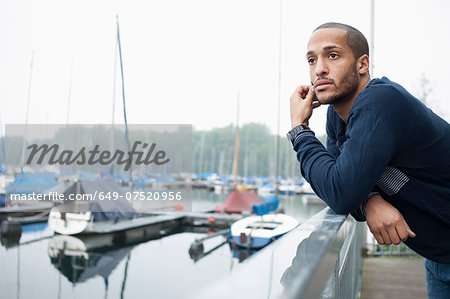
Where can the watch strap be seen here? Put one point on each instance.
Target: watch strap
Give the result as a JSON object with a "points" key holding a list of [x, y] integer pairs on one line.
{"points": [[296, 131]]}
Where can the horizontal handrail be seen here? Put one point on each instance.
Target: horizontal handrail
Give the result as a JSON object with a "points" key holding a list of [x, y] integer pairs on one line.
{"points": [[318, 259]]}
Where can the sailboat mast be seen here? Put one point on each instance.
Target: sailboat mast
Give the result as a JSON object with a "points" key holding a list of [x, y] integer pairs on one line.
{"points": [[28, 110], [236, 144], [69, 97], [277, 162], [114, 96], [127, 138], [3, 137]]}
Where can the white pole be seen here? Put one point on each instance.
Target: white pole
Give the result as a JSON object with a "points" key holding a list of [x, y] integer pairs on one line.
{"points": [[277, 162], [69, 97], [372, 37], [28, 110], [114, 96]]}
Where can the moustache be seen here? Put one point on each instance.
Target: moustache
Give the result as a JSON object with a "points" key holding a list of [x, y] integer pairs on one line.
{"points": [[331, 81]]}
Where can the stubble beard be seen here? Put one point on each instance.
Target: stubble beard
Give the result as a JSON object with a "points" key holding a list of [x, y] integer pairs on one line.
{"points": [[347, 88]]}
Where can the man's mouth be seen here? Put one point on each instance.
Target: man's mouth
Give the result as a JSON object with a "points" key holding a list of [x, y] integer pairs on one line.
{"points": [[322, 84]]}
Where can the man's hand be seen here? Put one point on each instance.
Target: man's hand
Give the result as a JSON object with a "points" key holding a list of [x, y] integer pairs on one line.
{"points": [[385, 222], [303, 101]]}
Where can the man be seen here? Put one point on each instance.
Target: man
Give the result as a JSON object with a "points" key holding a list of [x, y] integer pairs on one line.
{"points": [[388, 156]]}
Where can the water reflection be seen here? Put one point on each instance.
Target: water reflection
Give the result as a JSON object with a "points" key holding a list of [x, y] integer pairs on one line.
{"points": [[9, 242], [241, 253], [197, 250], [69, 255], [131, 266], [86, 256]]}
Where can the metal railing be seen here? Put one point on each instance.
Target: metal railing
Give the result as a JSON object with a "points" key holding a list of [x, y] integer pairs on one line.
{"points": [[321, 258], [337, 274]]}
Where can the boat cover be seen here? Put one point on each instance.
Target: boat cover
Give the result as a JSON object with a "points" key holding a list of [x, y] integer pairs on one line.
{"points": [[27, 183], [239, 201], [102, 209], [271, 204]]}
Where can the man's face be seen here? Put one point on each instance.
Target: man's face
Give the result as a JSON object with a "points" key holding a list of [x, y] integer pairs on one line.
{"points": [[332, 66]]}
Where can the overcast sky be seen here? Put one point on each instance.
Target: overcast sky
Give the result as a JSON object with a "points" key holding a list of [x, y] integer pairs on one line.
{"points": [[185, 60]]}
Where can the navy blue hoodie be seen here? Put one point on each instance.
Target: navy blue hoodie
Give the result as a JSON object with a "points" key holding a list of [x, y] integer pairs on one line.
{"points": [[393, 145]]}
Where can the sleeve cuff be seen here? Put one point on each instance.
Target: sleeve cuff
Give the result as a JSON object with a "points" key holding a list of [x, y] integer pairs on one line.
{"points": [[359, 214], [301, 135]]}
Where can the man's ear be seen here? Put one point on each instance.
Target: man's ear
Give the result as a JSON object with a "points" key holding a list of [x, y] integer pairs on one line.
{"points": [[363, 64]]}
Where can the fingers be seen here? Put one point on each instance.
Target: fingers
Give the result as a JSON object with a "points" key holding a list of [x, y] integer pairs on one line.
{"points": [[402, 231], [379, 238], [386, 222], [386, 238], [307, 92], [394, 235], [311, 95], [410, 232], [302, 91], [395, 238], [302, 103]]}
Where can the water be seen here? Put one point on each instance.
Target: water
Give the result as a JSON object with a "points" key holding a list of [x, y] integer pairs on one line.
{"points": [[159, 268]]}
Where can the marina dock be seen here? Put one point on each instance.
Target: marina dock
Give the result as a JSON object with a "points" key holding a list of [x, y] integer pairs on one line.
{"points": [[34, 212]]}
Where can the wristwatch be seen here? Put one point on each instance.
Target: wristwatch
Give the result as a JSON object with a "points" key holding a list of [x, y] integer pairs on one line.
{"points": [[292, 134]]}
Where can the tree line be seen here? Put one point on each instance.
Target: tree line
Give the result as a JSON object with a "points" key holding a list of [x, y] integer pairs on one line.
{"points": [[213, 151]]}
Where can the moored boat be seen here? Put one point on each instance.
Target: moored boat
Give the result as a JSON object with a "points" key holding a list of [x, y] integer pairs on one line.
{"points": [[76, 216], [239, 201], [259, 231]]}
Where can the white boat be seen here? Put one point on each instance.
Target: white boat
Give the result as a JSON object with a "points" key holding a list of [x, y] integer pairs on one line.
{"points": [[258, 231], [289, 189], [267, 189], [221, 186], [80, 216], [68, 223]]}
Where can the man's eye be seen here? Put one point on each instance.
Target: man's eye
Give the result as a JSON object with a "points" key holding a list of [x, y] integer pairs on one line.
{"points": [[333, 56], [311, 60]]}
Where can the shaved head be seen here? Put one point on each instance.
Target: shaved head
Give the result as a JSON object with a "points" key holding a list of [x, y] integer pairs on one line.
{"points": [[355, 39]]}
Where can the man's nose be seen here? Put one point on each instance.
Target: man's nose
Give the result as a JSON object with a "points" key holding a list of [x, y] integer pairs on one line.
{"points": [[321, 68]]}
